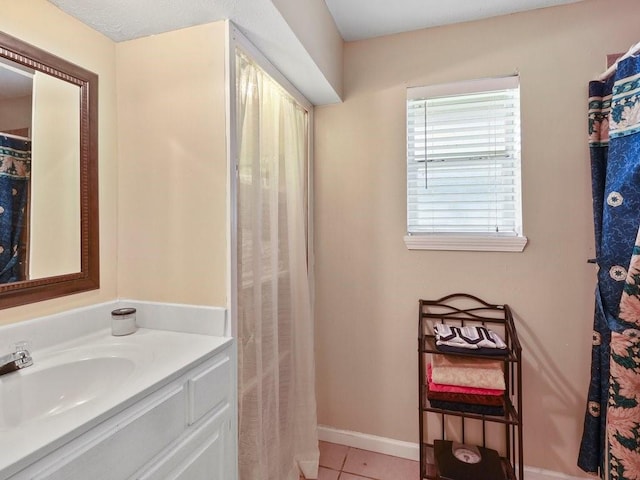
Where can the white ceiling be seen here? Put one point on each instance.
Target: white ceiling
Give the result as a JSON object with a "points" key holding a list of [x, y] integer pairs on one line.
{"points": [[360, 19], [122, 20]]}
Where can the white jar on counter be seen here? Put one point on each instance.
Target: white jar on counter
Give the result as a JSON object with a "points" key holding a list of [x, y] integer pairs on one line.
{"points": [[123, 321]]}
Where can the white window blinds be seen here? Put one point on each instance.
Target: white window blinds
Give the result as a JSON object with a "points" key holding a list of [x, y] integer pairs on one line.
{"points": [[463, 158]]}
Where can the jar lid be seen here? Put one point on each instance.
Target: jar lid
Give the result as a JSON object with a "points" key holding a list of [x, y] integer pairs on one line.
{"points": [[123, 311]]}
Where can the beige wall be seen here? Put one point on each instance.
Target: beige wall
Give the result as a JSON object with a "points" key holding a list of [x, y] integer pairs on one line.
{"points": [[15, 113], [172, 175], [368, 283], [40, 23]]}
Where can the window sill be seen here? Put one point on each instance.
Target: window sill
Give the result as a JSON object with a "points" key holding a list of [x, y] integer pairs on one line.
{"points": [[477, 243]]}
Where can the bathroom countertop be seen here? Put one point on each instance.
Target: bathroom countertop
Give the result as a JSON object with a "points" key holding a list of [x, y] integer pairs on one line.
{"points": [[154, 359]]}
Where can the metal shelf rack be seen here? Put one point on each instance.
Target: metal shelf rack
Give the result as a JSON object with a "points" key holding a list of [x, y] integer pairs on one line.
{"points": [[466, 310]]}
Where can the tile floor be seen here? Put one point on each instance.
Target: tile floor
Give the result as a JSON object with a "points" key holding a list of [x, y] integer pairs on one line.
{"points": [[339, 462]]}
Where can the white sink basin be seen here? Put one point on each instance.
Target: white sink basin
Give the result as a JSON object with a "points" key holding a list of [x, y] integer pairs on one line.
{"points": [[30, 395], [63, 380]]}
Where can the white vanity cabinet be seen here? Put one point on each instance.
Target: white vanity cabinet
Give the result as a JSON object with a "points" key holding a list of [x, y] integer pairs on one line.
{"points": [[184, 430]]}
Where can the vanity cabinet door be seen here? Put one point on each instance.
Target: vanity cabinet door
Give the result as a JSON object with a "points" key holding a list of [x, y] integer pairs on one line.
{"points": [[115, 451], [209, 386], [206, 453]]}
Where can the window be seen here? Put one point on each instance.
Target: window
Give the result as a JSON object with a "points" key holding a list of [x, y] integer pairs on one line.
{"points": [[463, 166]]}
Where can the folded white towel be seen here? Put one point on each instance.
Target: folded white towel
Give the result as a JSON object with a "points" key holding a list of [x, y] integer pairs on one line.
{"points": [[467, 337]]}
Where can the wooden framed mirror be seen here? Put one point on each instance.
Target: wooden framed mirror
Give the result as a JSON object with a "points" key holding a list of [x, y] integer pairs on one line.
{"points": [[49, 239]]}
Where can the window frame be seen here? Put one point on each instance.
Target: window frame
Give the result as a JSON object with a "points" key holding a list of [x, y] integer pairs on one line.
{"points": [[463, 241]]}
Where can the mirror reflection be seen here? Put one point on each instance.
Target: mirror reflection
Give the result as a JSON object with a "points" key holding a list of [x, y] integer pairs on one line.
{"points": [[39, 175]]}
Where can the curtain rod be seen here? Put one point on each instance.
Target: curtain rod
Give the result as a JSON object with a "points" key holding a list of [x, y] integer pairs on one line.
{"points": [[609, 71], [11, 135]]}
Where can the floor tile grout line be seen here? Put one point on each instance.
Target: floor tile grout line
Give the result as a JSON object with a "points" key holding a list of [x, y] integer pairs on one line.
{"points": [[344, 460]]}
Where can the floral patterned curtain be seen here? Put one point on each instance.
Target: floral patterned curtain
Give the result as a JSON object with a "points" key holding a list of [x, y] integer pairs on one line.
{"points": [[611, 439], [15, 172]]}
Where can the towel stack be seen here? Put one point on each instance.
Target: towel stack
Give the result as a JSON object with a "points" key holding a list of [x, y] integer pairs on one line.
{"points": [[467, 384]]}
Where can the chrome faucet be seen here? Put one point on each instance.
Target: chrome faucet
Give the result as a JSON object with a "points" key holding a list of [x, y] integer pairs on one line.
{"points": [[21, 358]]}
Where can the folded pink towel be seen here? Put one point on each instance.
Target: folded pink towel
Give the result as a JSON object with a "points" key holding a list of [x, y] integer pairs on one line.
{"points": [[436, 387], [468, 372]]}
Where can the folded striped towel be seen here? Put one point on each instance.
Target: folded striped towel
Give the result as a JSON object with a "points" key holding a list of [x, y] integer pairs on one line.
{"points": [[467, 337]]}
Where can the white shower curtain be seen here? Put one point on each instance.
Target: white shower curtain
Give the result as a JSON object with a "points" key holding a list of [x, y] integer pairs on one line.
{"points": [[277, 406]]}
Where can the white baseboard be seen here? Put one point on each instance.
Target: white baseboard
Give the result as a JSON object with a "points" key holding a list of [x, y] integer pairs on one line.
{"points": [[409, 450], [372, 443]]}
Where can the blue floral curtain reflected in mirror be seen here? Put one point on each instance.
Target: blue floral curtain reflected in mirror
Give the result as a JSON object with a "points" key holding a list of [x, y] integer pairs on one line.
{"points": [[15, 174]]}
